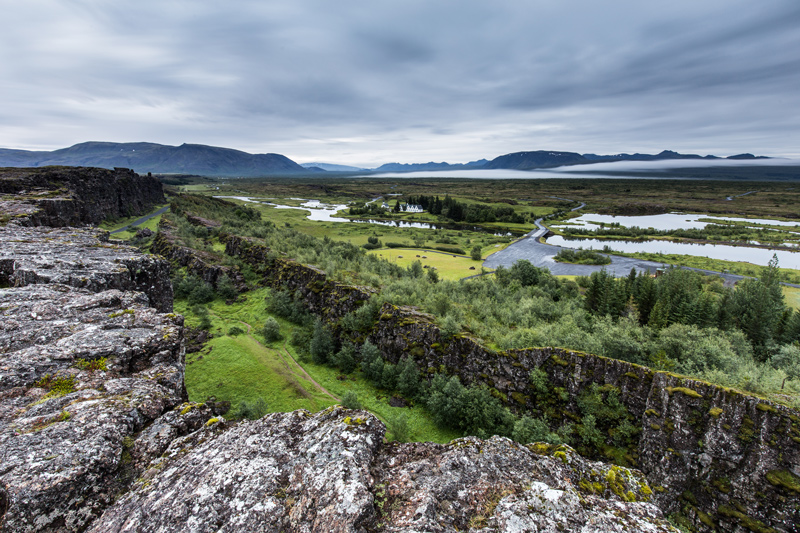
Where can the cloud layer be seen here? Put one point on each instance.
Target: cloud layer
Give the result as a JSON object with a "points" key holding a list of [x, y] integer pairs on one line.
{"points": [[366, 83]]}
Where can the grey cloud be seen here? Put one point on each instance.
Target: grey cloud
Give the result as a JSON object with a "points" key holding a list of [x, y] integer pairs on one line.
{"points": [[454, 80]]}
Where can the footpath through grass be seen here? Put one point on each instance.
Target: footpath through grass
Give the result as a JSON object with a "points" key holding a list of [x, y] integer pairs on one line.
{"points": [[245, 367]]}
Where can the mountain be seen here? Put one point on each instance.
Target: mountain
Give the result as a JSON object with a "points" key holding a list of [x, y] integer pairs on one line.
{"points": [[537, 159], [158, 158], [412, 167], [331, 167]]}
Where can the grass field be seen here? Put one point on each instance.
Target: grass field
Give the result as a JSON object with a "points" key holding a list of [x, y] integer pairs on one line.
{"points": [[245, 367], [448, 266], [792, 296]]}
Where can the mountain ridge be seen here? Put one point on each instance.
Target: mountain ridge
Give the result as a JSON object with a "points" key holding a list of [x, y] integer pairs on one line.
{"points": [[218, 161]]}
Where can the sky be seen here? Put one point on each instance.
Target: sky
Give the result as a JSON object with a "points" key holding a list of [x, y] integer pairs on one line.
{"points": [[365, 83]]}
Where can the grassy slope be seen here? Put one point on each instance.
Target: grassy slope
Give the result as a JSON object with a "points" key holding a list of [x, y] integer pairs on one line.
{"points": [[246, 367]]}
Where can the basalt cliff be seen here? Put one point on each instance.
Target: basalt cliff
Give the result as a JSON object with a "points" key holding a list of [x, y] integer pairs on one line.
{"points": [[96, 433]]}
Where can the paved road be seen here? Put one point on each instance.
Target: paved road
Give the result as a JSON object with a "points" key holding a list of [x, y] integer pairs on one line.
{"points": [[142, 220]]}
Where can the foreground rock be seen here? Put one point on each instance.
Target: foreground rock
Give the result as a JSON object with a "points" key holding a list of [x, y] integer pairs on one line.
{"points": [[86, 363], [80, 258], [330, 472]]}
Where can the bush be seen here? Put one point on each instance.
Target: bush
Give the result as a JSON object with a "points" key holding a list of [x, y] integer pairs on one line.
{"points": [[345, 358], [450, 249], [251, 410], [398, 426], [271, 330], [350, 400], [235, 330], [475, 253], [397, 245]]}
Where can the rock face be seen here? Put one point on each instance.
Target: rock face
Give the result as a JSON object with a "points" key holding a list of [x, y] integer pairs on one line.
{"points": [[202, 264], [330, 472], [86, 362], [80, 259], [74, 196], [724, 459]]}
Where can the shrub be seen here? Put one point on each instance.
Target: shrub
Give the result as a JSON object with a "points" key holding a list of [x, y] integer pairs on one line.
{"points": [[450, 249], [271, 330], [398, 426], [235, 330], [251, 410], [350, 400]]}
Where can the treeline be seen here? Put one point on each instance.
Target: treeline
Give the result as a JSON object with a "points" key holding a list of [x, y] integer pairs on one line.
{"points": [[461, 212], [755, 307]]}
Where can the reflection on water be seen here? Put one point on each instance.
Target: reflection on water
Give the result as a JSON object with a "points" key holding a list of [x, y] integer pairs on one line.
{"points": [[757, 256]]}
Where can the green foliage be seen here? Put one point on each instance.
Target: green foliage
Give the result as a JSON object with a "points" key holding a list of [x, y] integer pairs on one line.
{"points": [[225, 288], [476, 253], [408, 378], [322, 345], [528, 429], [350, 400], [582, 257], [271, 330], [91, 364], [398, 427], [345, 358], [250, 410], [56, 386], [235, 330]]}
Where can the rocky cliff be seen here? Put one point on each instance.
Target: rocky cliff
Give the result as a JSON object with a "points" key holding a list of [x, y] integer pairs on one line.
{"points": [[74, 196], [724, 459]]}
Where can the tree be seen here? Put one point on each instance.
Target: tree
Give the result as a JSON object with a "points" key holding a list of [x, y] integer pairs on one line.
{"points": [[350, 400], [321, 346], [407, 377], [528, 429], [475, 253], [345, 358], [757, 307], [271, 330], [433, 275], [225, 288]]}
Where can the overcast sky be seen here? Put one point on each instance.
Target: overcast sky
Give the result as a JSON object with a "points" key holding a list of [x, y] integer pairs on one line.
{"points": [[364, 83]]}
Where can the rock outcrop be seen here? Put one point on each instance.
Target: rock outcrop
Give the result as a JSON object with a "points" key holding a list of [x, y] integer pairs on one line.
{"points": [[87, 360], [74, 196], [331, 472], [204, 265]]}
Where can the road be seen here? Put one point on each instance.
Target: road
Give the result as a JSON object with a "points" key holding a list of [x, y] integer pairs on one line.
{"points": [[142, 220]]}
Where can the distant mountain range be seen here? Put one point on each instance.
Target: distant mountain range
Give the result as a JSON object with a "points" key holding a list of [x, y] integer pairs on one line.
{"points": [[215, 161], [150, 157]]}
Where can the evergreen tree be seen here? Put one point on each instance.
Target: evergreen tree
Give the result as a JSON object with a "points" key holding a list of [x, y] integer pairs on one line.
{"points": [[321, 345], [407, 377]]}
